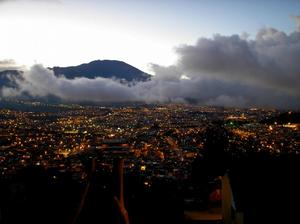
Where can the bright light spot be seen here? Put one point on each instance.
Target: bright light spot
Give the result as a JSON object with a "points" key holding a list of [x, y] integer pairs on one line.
{"points": [[146, 183], [143, 168], [185, 77]]}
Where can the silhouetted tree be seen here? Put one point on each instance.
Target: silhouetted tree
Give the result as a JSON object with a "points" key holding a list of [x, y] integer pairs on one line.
{"points": [[212, 161]]}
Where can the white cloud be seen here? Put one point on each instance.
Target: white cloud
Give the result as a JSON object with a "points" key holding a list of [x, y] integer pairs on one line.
{"points": [[223, 70]]}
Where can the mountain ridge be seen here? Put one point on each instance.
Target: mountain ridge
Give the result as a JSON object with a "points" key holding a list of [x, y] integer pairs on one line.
{"points": [[97, 68], [103, 68]]}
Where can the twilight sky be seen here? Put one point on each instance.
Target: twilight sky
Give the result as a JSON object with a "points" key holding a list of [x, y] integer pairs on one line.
{"points": [[214, 52], [70, 32]]}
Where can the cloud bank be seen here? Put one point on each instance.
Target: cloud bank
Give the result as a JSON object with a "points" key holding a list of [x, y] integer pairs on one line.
{"points": [[41, 82], [223, 70], [9, 64]]}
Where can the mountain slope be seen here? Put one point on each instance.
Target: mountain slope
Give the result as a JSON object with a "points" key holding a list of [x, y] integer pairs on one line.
{"points": [[105, 69], [7, 76]]}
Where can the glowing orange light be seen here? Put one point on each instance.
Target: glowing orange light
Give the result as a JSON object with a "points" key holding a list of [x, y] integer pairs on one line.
{"points": [[143, 168]]}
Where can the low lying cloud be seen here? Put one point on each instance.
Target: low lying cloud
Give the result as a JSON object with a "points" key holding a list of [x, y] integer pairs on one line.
{"points": [[223, 70], [41, 82]]}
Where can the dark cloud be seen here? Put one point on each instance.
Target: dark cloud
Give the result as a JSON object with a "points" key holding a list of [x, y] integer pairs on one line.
{"points": [[270, 60], [223, 70]]}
